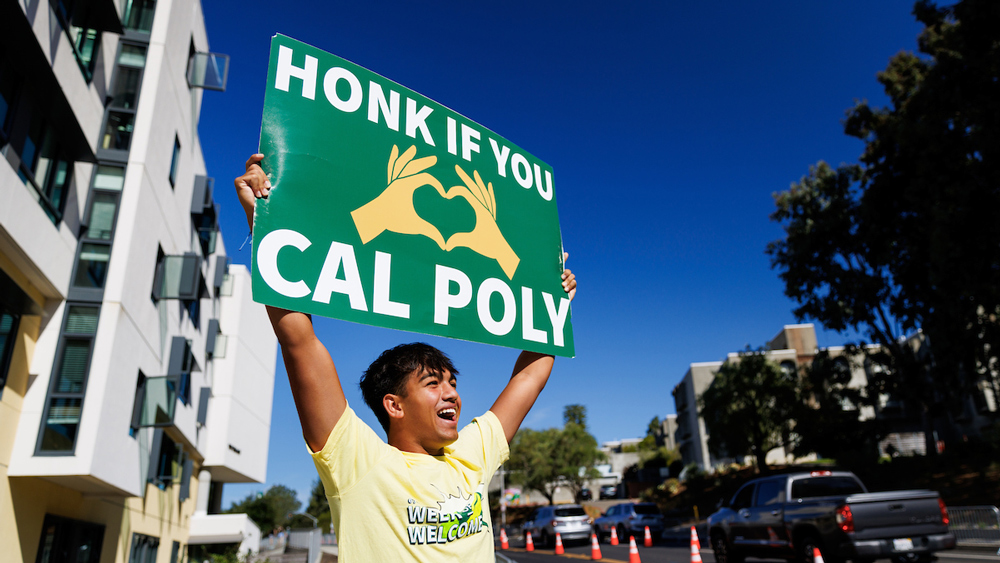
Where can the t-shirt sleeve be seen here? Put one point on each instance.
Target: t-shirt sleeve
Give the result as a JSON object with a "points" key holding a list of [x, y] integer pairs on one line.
{"points": [[348, 455], [483, 441]]}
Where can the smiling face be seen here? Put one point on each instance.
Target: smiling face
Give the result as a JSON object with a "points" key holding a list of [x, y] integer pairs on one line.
{"points": [[425, 419]]}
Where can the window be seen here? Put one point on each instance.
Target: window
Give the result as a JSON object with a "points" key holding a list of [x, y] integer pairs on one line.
{"points": [[139, 15], [771, 492], [92, 266], [208, 70], [182, 363], [94, 252], [825, 487], [120, 122], [170, 463], [85, 41], [8, 93], [8, 337], [44, 169], [140, 393], [744, 498], [178, 277], [65, 539], [143, 549], [174, 161], [69, 380]]}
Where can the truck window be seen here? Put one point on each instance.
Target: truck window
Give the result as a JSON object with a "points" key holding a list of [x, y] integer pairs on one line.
{"points": [[744, 498], [811, 487], [770, 492]]}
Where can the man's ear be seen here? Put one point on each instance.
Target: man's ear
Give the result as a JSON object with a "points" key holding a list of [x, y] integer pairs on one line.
{"points": [[393, 405]]}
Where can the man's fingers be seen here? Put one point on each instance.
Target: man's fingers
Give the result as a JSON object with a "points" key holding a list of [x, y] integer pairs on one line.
{"points": [[255, 180], [254, 159], [569, 283]]}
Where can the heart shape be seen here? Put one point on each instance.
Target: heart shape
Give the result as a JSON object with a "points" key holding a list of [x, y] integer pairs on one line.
{"points": [[449, 216]]}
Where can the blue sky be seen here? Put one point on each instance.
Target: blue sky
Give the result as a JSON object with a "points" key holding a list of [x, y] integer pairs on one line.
{"points": [[669, 126]]}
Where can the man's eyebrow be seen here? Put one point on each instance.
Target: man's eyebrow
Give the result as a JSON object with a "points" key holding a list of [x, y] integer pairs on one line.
{"points": [[434, 374]]}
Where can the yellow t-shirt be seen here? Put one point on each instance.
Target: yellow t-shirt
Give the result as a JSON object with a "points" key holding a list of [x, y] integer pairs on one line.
{"points": [[389, 505]]}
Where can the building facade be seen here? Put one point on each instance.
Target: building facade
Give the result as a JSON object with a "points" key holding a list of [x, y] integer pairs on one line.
{"points": [[135, 379]]}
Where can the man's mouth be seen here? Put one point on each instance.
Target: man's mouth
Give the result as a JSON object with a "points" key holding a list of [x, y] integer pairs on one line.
{"points": [[448, 413]]}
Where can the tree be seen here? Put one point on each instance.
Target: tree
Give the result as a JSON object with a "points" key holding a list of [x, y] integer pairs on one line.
{"points": [[544, 460], [270, 509], [319, 505], [748, 407], [907, 239], [653, 453]]}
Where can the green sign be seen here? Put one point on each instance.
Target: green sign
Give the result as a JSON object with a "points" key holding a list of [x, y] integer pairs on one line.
{"points": [[392, 210]]}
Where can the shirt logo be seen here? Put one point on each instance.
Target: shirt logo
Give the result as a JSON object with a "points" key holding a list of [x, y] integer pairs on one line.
{"points": [[453, 518]]}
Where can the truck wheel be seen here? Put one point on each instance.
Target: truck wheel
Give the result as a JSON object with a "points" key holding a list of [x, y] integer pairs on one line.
{"points": [[724, 553], [544, 538], [622, 534]]}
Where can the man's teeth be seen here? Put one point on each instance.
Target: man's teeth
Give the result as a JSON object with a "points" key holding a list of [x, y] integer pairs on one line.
{"points": [[446, 412]]}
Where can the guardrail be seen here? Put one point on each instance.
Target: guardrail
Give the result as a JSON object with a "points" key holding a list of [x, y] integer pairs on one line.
{"points": [[975, 525]]}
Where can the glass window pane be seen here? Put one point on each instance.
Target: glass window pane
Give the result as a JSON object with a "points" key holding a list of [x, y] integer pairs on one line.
{"points": [[73, 367], [92, 268], [82, 320], [118, 133], [110, 178], [132, 55], [57, 183], [102, 216], [139, 15], [221, 341], [208, 70], [8, 334], [61, 424], [174, 161], [126, 88], [159, 401]]}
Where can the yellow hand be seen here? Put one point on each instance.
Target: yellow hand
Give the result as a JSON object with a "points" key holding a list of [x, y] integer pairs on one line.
{"points": [[486, 239], [393, 209]]}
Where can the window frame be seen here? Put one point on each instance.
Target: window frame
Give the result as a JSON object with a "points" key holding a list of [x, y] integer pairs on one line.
{"points": [[67, 536], [84, 293], [175, 162], [7, 352], [119, 154], [56, 373]]}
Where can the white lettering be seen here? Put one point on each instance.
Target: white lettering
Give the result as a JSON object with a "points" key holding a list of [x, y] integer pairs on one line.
{"points": [[415, 514], [330, 79], [285, 71], [418, 535], [380, 300], [522, 170], [328, 282], [444, 300], [468, 145], [528, 318], [452, 137], [432, 516], [545, 193], [463, 529], [506, 322], [418, 120], [452, 533], [267, 261], [501, 156], [556, 317], [377, 101], [432, 534]]}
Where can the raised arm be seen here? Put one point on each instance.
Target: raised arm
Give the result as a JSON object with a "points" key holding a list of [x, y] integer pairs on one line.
{"points": [[319, 398], [531, 372]]}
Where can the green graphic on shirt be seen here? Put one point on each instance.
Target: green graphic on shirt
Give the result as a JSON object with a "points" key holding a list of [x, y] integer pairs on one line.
{"points": [[454, 518]]}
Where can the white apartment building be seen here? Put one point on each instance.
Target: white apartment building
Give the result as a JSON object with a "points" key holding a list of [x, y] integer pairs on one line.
{"points": [[136, 372]]}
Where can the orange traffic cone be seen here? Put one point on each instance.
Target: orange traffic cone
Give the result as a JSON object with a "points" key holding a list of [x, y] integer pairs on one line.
{"points": [[647, 540], [633, 551], [559, 546], [528, 544], [504, 544], [595, 548], [817, 556], [614, 536], [695, 547]]}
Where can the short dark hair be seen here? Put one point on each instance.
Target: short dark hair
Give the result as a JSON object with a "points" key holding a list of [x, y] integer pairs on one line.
{"points": [[388, 374]]}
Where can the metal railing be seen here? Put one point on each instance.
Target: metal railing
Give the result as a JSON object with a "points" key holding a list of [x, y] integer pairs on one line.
{"points": [[975, 525]]}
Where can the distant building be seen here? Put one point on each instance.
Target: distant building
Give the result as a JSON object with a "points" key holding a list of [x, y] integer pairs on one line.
{"points": [[136, 373]]}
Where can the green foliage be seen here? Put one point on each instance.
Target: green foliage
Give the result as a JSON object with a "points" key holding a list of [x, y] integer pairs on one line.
{"points": [[543, 460], [908, 238], [653, 453], [270, 509], [319, 506], [748, 408]]}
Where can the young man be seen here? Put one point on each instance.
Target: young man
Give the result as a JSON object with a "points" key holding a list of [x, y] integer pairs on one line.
{"points": [[422, 496]]}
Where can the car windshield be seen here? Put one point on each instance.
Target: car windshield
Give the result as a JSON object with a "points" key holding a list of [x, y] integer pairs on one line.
{"points": [[825, 487], [647, 509], [570, 511]]}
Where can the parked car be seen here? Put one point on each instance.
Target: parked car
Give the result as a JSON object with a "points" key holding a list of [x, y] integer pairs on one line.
{"points": [[584, 494], [569, 520], [608, 491], [787, 516], [630, 519]]}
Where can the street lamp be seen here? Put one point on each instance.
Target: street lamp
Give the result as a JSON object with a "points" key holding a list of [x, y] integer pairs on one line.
{"points": [[307, 515]]}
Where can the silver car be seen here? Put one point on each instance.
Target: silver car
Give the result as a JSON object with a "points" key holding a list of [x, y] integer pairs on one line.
{"points": [[569, 520]]}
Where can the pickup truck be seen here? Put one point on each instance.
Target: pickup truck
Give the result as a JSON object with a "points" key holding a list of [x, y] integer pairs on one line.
{"points": [[786, 516]]}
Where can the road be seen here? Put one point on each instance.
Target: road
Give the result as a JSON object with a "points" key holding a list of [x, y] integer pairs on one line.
{"points": [[682, 554]]}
